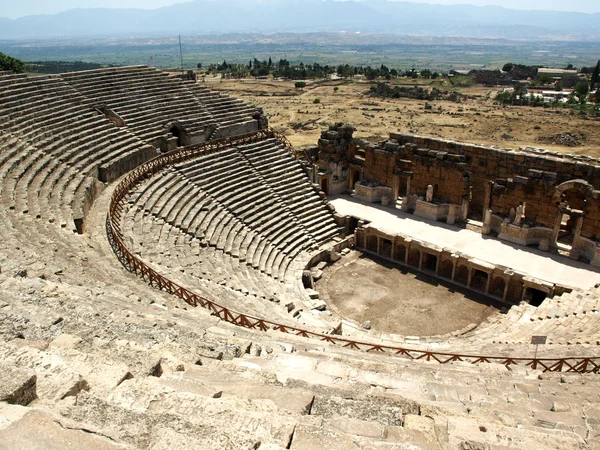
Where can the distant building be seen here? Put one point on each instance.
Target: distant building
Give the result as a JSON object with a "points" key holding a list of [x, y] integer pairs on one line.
{"points": [[568, 77]]}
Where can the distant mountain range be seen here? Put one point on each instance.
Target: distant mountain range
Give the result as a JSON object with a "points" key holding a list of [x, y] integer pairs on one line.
{"points": [[380, 16]]}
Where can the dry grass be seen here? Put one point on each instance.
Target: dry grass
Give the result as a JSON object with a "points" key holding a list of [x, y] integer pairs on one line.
{"points": [[476, 120]]}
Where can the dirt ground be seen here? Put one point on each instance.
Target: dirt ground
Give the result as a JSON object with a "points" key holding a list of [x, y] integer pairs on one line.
{"points": [[477, 120], [395, 300]]}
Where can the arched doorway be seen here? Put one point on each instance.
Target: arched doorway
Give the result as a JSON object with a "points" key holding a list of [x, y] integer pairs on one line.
{"points": [[571, 199], [175, 131]]}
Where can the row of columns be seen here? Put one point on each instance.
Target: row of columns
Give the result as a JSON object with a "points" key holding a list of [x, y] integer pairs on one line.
{"points": [[422, 252]]}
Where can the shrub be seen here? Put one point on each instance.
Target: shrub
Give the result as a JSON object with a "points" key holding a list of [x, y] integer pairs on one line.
{"points": [[13, 64], [316, 100], [300, 84]]}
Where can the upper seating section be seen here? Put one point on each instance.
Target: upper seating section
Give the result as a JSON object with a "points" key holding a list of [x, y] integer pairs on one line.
{"points": [[146, 99], [161, 109], [54, 149]]}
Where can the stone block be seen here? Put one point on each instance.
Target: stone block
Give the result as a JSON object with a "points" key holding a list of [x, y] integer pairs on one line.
{"points": [[34, 429], [356, 427], [17, 386], [66, 341], [521, 180]]}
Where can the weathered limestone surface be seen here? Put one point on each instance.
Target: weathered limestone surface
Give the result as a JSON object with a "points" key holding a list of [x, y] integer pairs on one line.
{"points": [[102, 360]]}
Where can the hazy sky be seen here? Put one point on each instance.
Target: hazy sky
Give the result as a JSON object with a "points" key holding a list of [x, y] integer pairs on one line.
{"points": [[14, 9]]}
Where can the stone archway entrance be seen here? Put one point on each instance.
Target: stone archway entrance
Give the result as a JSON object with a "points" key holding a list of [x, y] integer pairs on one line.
{"points": [[571, 199]]}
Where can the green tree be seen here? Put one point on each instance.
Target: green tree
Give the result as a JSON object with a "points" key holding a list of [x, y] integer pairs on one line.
{"points": [[520, 90], [199, 66], [508, 67], [300, 84], [270, 63], [595, 76], [545, 78], [582, 89], [13, 64]]}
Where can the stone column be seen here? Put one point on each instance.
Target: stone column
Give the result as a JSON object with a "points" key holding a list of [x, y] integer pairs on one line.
{"points": [[465, 209], [404, 206], [438, 263], [487, 221], [395, 188], [556, 229], [378, 245], [506, 282], [487, 199], [488, 284], [575, 253], [469, 277], [393, 247], [421, 253], [454, 263]]}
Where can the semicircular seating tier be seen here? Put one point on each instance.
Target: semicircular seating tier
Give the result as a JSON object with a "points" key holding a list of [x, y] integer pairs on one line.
{"points": [[245, 219]]}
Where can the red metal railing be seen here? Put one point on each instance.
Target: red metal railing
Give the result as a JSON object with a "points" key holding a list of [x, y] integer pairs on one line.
{"points": [[580, 364]]}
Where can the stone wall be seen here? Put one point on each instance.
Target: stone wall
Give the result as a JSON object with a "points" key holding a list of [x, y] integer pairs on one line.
{"points": [[492, 162], [448, 174], [473, 177], [380, 165]]}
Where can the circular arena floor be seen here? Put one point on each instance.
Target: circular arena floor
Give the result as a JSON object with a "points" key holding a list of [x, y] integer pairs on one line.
{"points": [[393, 299]]}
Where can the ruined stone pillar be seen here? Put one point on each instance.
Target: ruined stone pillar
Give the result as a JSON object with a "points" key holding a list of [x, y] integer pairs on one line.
{"points": [[421, 259], [451, 219], [465, 209], [556, 229], [470, 277], [575, 253], [393, 247], [454, 263], [378, 245], [506, 282], [404, 206], [438, 263], [395, 188], [487, 221], [487, 199], [488, 284]]}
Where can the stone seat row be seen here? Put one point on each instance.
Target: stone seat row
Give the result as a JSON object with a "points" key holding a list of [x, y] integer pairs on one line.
{"points": [[210, 221], [69, 146], [195, 265], [239, 186]]}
